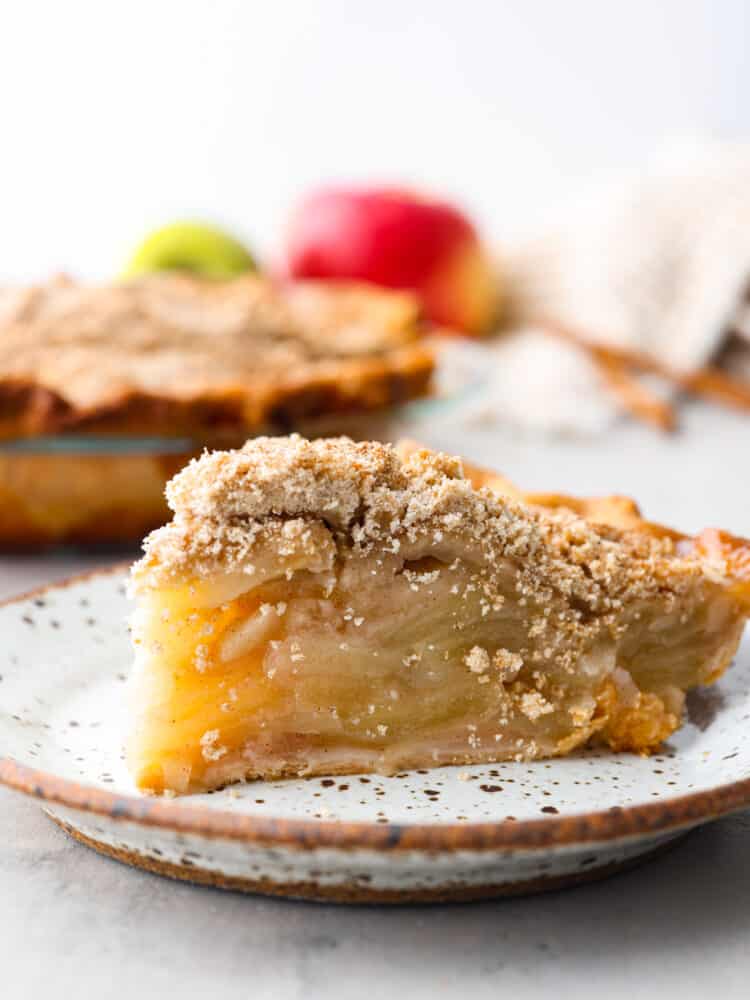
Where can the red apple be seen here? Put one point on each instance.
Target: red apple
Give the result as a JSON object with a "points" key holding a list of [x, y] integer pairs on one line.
{"points": [[400, 240]]}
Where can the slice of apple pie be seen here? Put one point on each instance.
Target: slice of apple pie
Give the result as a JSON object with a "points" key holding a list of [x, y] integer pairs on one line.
{"points": [[329, 607]]}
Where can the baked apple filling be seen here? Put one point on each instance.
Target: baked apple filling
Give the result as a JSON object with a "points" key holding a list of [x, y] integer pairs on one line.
{"points": [[353, 613]]}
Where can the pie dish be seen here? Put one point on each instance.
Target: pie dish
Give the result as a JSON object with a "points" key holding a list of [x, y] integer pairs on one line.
{"points": [[105, 392], [85, 490], [175, 355], [329, 607]]}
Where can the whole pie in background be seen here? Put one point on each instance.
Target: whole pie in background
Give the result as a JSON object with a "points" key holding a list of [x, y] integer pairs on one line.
{"points": [[169, 354], [329, 607], [107, 390]]}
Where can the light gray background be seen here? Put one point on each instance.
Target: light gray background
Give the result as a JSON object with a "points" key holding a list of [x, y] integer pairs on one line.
{"points": [[119, 116], [73, 924]]}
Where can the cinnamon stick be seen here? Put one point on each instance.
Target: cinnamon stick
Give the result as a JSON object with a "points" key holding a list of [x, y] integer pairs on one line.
{"points": [[708, 382]]}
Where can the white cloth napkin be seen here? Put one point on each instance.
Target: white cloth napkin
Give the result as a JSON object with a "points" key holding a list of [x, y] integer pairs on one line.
{"points": [[658, 260]]}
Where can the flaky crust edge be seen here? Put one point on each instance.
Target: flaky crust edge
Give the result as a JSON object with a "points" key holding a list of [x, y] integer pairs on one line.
{"points": [[30, 409]]}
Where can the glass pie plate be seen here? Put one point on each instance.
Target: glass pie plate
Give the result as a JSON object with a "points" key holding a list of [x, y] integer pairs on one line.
{"points": [[90, 490], [85, 490]]}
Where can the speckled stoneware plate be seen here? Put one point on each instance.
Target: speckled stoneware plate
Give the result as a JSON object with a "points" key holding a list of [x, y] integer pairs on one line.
{"points": [[450, 833]]}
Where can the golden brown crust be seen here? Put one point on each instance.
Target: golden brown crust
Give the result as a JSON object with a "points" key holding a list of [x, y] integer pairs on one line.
{"points": [[179, 356], [728, 554], [614, 511], [53, 499]]}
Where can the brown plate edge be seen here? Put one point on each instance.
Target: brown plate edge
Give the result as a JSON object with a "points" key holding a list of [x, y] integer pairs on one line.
{"points": [[358, 891]]}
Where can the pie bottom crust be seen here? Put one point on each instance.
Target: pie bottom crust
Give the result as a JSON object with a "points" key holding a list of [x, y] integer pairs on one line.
{"points": [[73, 499]]}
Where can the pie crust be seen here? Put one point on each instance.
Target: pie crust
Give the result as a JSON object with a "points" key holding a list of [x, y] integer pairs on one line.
{"points": [[330, 607], [52, 498], [176, 355]]}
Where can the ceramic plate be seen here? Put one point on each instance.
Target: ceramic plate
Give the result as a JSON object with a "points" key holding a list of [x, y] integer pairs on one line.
{"points": [[450, 833]]}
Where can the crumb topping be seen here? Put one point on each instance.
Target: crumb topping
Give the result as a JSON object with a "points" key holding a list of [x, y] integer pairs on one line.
{"points": [[209, 748], [508, 664], [224, 355], [534, 705], [312, 500], [477, 660]]}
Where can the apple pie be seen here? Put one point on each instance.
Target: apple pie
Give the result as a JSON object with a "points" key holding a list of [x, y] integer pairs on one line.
{"points": [[329, 607], [174, 355]]}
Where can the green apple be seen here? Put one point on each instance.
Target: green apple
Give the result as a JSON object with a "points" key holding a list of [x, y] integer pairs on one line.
{"points": [[193, 247]]}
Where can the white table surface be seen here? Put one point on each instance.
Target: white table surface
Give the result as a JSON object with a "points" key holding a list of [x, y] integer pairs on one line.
{"points": [[73, 924]]}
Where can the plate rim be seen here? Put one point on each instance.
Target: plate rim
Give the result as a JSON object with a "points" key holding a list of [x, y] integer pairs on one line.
{"points": [[597, 826]]}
